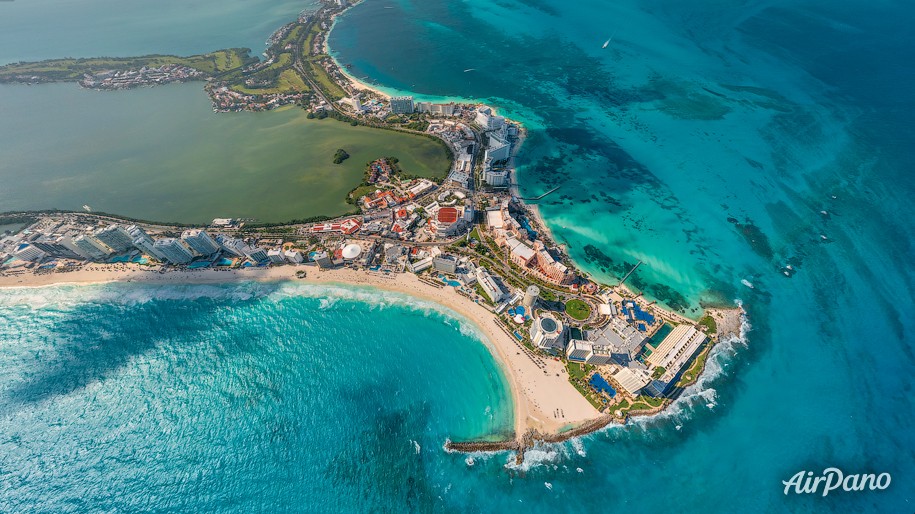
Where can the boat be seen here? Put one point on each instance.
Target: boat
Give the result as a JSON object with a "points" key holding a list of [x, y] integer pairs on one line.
{"points": [[823, 237], [747, 283], [87, 208], [469, 69], [607, 42]]}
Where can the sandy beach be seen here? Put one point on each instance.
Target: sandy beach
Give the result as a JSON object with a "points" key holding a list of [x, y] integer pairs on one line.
{"points": [[542, 396], [362, 86]]}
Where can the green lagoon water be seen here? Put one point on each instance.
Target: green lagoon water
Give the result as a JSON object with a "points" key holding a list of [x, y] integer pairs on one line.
{"points": [[45, 29], [162, 154]]}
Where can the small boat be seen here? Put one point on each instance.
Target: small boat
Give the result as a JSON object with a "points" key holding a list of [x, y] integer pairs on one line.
{"points": [[823, 237], [787, 274], [824, 213], [87, 208], [469, 69], [747, 283], [789, 267], [607, 42]]}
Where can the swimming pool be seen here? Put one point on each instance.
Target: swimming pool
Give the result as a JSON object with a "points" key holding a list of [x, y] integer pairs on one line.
{"points": [[601, 385], [452, 283]]}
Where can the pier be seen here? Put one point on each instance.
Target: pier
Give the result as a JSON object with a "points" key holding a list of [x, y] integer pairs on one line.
{"points": [[631, 272], [534, 199]]}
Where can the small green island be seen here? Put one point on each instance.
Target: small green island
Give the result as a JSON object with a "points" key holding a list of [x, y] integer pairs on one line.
{"points": [[340, 156]]}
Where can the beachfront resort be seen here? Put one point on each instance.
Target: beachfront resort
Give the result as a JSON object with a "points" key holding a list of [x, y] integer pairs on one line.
{"points": [[470, 234], [623, 353]]}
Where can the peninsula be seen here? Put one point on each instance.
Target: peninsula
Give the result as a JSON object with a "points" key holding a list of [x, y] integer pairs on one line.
{"points": [[578, 354]]}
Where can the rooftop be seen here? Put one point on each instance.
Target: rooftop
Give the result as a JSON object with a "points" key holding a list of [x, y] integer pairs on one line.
{"points": [[447, 215]]}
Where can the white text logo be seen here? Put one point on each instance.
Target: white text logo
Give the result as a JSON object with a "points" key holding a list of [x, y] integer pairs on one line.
{"points": [[803, 482]]}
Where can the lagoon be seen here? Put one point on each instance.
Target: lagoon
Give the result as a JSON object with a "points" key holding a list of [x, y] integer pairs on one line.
{"points": [[161, 154], [48, 29]]}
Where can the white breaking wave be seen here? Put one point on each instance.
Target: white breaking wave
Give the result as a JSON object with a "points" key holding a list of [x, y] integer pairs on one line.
{"points": [[66, 296], [578, 446], [541, 455]]}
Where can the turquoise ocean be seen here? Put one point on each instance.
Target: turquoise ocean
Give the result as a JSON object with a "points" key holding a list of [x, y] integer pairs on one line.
{"points": [[706, 140]]}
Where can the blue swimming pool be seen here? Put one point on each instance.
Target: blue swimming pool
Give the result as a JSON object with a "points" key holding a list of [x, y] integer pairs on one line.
{"points": [[638, 314], [452, 283], [600, 385]]}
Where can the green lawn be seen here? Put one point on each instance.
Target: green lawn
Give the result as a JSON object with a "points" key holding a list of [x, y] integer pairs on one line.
{"points": [[329, 86], [578, 309], [651, 400], [475, 234], [577, 370], [361, 191], [709, 323], [690, 375], [288, 82], [292, 36], [309, 39]]}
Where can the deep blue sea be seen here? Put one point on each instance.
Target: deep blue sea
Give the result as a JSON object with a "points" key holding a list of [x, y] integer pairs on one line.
{"points": [[706, 140]]}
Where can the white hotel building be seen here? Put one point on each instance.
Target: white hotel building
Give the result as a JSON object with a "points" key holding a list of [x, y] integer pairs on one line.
{"points": [[675, 350]]}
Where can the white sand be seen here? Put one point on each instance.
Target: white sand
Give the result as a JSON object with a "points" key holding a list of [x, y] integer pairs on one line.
{"points": [[544, 400]]}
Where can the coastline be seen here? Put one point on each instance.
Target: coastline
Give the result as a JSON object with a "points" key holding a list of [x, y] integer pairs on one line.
{"points": [[546, 406], [536, 394]]}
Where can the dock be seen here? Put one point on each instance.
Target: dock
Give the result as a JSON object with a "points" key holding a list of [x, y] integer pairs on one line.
{"points": [[534, 199], [631, 272]]}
